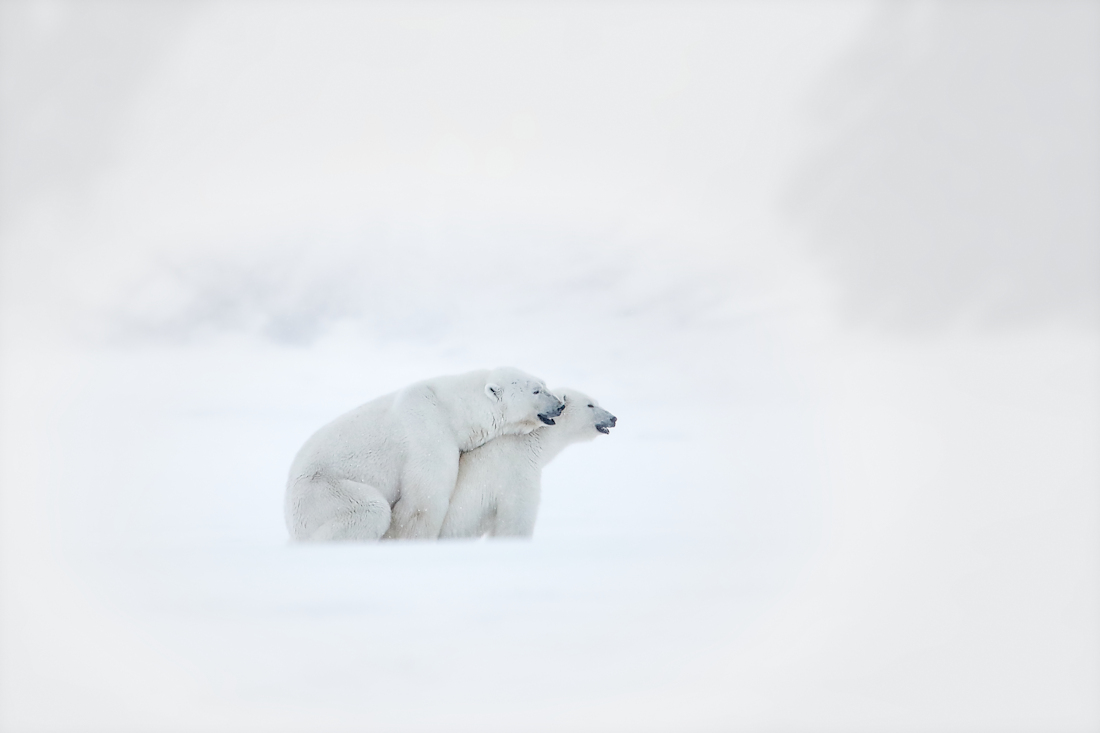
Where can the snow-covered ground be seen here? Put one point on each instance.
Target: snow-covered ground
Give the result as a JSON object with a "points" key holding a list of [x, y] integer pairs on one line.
{"points": [[854, 481]]}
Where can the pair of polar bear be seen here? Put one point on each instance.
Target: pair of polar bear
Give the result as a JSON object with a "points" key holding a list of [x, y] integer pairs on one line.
{"points": [[453, 456]]}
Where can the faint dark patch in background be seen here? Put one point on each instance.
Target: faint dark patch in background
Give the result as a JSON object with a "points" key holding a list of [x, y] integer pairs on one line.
{"points": [[959, 177], [273, 292]]}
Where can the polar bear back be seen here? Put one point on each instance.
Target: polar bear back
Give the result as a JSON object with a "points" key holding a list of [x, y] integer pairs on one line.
{"points": [[346, 448], [371, 444]]}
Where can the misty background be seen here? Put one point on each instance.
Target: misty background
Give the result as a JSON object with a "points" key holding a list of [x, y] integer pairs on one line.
{"points": [[835, 267]]}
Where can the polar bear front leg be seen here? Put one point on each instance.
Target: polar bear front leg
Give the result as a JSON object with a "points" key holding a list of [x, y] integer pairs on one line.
{"points": [[470, 514], [425, 495], [515, 515]]}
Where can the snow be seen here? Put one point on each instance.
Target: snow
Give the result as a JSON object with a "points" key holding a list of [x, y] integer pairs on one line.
{"points": [[832, 500]]}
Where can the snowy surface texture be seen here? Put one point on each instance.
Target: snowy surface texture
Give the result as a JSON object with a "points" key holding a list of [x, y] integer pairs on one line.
{"points": [[833, 266]]}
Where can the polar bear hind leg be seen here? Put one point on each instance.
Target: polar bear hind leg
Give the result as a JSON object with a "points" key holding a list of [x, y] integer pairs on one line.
{"points": [[352, 510], [417, 520]]}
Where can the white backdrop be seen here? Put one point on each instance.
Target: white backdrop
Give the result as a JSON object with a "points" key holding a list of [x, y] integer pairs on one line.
{"points": [[834, 266]]}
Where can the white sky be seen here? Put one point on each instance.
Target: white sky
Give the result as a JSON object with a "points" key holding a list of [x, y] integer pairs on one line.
{"points": [[833, 265]]}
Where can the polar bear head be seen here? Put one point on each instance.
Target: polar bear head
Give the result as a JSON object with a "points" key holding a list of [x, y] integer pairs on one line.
{"points": [[523, 401], [582, 418]]}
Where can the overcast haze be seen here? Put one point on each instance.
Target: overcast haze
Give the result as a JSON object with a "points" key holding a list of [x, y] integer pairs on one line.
{"points": [[835, 267]]}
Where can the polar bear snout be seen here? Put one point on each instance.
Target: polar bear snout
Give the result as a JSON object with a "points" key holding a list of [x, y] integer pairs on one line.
{"points": [[549, 415], [606, 422]]}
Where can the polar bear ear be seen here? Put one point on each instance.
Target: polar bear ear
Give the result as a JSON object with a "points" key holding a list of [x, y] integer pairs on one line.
{"points": [[493, 391]]}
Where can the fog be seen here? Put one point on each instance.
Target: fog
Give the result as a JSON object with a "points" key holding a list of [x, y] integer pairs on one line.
{"points": [[834, 266]]}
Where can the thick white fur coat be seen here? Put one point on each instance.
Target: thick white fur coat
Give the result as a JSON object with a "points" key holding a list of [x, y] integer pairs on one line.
{"points": [[499, 485], [388, 468]]}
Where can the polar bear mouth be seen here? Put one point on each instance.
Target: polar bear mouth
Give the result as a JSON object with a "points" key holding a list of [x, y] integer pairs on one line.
{"points": [[547, 420], [604, 428]]}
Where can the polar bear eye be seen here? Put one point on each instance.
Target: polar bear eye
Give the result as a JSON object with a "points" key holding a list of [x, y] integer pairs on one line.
{"points": [[591, 405], [536, 391]]}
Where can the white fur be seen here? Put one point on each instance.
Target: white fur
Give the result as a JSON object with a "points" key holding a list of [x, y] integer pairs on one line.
{"points": [[388, 468], [499, 484]]}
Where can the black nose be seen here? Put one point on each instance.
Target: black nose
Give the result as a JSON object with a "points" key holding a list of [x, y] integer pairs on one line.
{"points": [[614, 420]]}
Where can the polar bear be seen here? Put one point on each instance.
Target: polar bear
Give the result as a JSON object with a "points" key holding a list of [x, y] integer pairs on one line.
{"points": [[388, 468], [498, 485]]}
